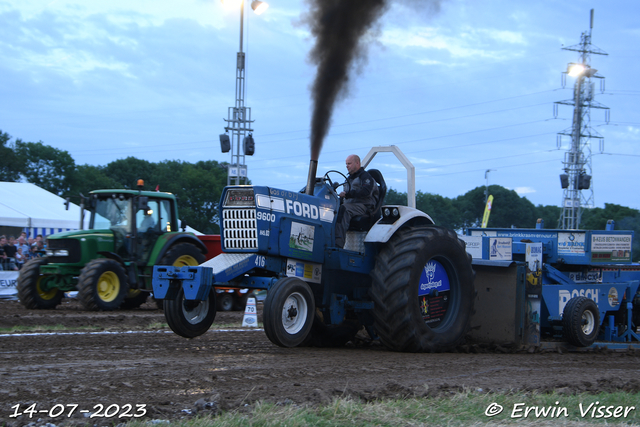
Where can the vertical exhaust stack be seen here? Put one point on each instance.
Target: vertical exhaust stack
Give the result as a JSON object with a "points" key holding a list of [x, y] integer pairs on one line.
{"points": [[311, 180]]}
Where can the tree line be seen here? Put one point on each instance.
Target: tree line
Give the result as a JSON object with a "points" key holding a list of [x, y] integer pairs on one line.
{"points": [[510, 210], [198, 187]]}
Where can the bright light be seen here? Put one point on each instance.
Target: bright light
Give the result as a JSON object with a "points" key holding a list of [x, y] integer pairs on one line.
{"points": [[231, 4], [259, 6], [576, 69]]}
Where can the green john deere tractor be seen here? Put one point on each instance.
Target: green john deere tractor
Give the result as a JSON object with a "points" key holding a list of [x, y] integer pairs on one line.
{"points": [[111, 262]]}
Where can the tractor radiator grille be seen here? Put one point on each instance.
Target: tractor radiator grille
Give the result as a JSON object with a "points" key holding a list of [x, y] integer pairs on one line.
{"points": [[240, 229]]}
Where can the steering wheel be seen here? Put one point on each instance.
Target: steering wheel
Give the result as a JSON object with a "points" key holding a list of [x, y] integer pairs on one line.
{"points": [[334, 185]]}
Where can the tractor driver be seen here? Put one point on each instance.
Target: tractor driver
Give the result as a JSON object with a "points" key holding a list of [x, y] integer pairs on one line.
{"points": [[360, 195]]}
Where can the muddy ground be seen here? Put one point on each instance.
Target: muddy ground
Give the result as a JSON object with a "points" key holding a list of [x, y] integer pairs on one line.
{"points": [[132, 360]]}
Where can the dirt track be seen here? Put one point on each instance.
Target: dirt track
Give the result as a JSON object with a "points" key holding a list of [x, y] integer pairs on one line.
{"points": [[224, 369]]}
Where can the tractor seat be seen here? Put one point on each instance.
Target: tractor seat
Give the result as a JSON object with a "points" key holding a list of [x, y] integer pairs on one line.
{"points": [[365, 222]]}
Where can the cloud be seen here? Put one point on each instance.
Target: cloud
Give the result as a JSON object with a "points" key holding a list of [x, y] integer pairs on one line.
{"points": [[524, 190], [471, 43]]}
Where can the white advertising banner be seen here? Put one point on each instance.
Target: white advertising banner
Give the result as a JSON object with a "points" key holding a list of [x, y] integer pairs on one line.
{"points": [[8, 281]]}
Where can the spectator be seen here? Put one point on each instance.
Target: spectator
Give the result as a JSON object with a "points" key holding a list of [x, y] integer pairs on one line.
{"points": [[26, 249], [37, 249], [19, 257], [8, 254]]}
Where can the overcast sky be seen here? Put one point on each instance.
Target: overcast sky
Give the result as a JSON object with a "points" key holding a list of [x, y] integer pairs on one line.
{"points": [[461, 90]]}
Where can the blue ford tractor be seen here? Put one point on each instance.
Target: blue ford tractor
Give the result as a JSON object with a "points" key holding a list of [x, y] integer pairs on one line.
{"points": [[406, 280]]}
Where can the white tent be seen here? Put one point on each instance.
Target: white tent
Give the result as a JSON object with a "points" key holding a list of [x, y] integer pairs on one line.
{"points": [[35, 210]]}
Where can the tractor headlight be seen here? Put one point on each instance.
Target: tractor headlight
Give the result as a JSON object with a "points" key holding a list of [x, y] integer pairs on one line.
{"points": [[57, 252], [390, 215]]}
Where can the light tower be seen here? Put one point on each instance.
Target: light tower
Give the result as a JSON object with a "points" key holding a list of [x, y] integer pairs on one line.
{"points": [[576, 179], [239, 116]]}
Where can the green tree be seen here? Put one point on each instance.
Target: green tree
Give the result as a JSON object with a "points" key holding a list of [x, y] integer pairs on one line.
{"points": [[393, 197], [127, 172], [46, 166], [9, 165], [549, 214], [441, 209], [88, 178], [508, 208], [596, 218]]}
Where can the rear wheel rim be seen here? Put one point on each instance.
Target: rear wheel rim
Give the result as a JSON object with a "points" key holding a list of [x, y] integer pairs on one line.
{"points": [[434, 293], [588, 322], [108, 286], [294, 313], [45, 295], [185, 261]]}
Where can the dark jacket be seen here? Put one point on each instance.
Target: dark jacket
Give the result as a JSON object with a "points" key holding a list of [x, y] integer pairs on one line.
{"points": [[361, 188]]}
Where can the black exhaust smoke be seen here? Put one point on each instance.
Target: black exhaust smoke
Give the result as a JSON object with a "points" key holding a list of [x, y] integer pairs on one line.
{"points": [[338, 27]]}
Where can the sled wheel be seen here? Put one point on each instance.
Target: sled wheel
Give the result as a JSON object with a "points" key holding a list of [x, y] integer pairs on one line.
{"points": [[288, 312], [190, 318], [102, 285], [181, 255], [423, 292], [134, 299], [580, 321], [31, 287], [224, 301]]}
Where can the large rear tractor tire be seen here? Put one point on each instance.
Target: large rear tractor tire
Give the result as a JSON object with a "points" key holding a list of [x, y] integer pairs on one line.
{"points": [[102, 285], [580, 321], [30, 287], [423, 290], [183, 255], [288, 312], [190, 319]]}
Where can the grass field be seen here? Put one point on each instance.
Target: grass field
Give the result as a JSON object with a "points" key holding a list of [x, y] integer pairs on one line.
{"points": [[469, 408]]}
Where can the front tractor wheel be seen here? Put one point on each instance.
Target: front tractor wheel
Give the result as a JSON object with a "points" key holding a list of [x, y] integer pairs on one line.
{"points": [[189, 318], [31, 287], [288, 312], [102, 285], [423, 292]]}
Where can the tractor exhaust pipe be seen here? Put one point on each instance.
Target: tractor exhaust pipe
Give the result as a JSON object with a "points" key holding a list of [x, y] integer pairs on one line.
{"points": [[311, 180]]}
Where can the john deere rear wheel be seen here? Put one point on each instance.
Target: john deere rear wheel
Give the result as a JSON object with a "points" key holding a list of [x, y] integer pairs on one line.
{"points": [[422, 290], [182, 255], [31, 287], [102, 285]]}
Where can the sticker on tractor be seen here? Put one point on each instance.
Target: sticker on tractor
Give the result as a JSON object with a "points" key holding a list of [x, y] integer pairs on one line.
{"points": [[306, 271], [611, 247], [500, 248], [591, 276], [571, 243], [433, 293], [301, 236], [613, 297]]}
